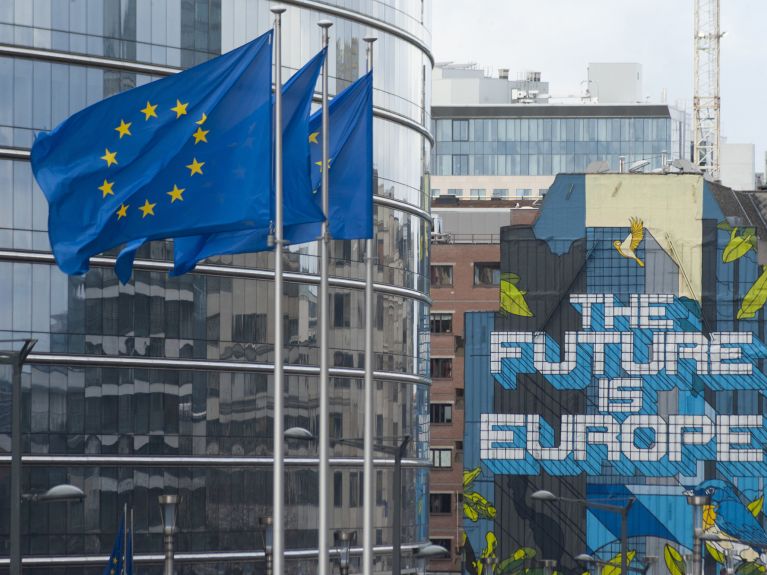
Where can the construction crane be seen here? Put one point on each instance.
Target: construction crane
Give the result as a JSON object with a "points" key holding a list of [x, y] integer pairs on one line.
{"points": [[706, 102]]}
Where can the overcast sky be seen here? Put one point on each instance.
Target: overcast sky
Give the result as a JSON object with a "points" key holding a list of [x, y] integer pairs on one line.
{"points": [[560, 37]]}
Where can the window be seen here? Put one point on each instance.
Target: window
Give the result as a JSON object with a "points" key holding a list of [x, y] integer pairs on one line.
{"points": [[441, 323], [441, 412], [338, 488], [342, 309], [542, 191], [440, 502], [379, 487], [454, 192], [460, 165], [355, 488], [441, 367], [435, 192], [524, 192], [446, 543], [501, 193], [478, 193], [441, 457], [487, 274], [460, 130], [441, 276]]}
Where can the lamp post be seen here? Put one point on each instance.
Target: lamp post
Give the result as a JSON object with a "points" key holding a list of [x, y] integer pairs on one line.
{"points": [[344, 541], [697, 501], [548, 566], [268, 535], [16, 360], [168, 506], [593, 563], [623, 510], [63, 492]]}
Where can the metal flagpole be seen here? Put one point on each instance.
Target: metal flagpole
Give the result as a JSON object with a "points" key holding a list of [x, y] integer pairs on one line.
{"points": [[278, 545], [369, 484], [125, 537], [324, 448]]}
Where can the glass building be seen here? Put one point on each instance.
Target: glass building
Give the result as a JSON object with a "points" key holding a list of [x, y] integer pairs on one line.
{"points": [[164, 384], [524, 146]]}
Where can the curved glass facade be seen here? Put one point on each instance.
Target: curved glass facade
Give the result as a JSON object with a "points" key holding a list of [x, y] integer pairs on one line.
{"points": [[164, 384]]}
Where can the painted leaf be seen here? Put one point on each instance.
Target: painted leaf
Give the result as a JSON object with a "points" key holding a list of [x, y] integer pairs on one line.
{"points": [[755, 298], [717, 555], [513, 299], [470, 513], [490, 545], [674, 561], [737, 247], [745, 568], [515, 563], [755, 507], [470, 475], [480, 506], [709, 516], [724, 225], [613, 566]]}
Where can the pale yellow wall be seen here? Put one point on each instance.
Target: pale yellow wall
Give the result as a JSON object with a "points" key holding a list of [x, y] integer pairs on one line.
{"points": [[671, 208]]}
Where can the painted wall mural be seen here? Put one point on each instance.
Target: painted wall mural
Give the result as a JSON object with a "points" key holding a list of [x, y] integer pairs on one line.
{"points": [[626, 362]]}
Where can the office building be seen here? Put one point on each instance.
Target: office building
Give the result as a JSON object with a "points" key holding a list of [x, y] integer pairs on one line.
{"points": [[491, 146], [164, 384]]}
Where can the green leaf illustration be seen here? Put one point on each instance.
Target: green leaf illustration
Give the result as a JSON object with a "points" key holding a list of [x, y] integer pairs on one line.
{"points": [[755, 507], [674, 561], [755, 298], [613, 566], [514, 564], [469, 475], [512, 298], [738, 246], [748, 568], [724, 225], [717, 555], [476, 507]]}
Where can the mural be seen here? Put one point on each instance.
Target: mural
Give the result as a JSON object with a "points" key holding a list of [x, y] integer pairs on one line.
{"points": [[626, 364]]}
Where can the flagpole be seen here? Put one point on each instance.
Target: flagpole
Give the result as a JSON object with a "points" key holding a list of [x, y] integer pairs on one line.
{"points": [[125, 535], [324, 447], [132, 541], [278, 478], [368, 473]]}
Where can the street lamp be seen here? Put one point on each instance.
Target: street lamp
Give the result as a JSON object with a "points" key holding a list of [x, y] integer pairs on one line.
{"points": [[298, 433], [623, 510], [168, 505], [344, 541], [548, 566], [593, 563], [697, 501], [268, 534], [16, 360], [430, 551]]}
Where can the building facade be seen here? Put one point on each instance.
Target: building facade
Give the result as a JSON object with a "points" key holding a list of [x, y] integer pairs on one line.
{"points": [[164, 384], [465, 276], [627, 369], [514, 151]]}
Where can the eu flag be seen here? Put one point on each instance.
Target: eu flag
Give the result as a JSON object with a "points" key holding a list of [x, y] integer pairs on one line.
{"points": [[115, 565], [350, 182], [298, 205], [187, 154]]}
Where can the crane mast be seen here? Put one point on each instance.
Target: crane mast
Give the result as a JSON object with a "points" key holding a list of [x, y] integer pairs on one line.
{"points": [[706, 102]]}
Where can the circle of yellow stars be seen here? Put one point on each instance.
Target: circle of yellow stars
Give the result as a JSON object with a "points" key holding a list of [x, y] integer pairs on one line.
{"points": [[124, 129]]}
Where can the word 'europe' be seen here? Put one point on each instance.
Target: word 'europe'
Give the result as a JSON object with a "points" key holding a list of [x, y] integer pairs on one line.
{"points": [[622, 359]]}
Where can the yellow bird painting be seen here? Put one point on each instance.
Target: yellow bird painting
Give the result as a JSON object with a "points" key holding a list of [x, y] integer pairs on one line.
{"points": [[627, 248]]}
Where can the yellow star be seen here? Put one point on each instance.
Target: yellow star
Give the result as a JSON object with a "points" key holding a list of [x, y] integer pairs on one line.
{"points": [[320, 164], [106, 189], [147, 209], [313, 138], [149, 111], [199, 136], [124, 129], [122, 212], [175, 193], [109, 157], [201, 121], [180, 108], [195, 167]]}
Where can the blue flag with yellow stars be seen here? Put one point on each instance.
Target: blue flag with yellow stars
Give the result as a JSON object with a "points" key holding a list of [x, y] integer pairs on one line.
{"points": [[115, 565], [187, 154], [350, 175], [298, 205]]}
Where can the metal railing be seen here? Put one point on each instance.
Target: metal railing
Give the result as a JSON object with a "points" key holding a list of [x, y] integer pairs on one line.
{"points": [[448, 238]]}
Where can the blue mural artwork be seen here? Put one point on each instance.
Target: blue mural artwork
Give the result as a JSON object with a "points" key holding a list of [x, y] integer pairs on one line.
{"points": [[634, 371]]}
